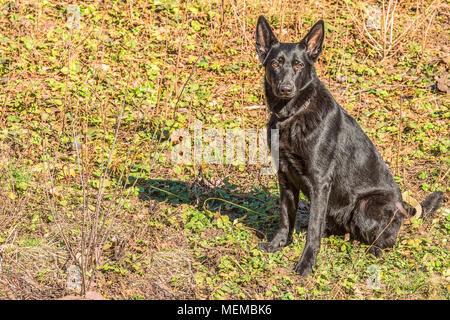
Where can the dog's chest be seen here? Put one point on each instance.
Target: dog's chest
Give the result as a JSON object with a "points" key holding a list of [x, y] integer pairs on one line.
{"points": [[285, 135], [287, 139]]}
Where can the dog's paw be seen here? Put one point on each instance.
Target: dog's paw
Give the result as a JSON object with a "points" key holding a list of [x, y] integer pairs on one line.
{"points": [[303, 268], [377, 252], [269, 247]]}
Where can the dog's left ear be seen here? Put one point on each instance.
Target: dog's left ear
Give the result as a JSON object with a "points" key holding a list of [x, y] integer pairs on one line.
{"points": [[314, 40], [265, 38]]}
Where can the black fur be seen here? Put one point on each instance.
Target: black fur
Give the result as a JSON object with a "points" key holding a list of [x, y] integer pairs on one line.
{"points": [[431, 204], [324, 153]]}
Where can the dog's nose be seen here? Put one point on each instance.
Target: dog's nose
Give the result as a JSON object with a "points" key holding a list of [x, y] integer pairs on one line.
{"points": [[286, 88]]}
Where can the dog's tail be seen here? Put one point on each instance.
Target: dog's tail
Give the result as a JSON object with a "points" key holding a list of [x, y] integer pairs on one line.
{"points": [[426, 208]]}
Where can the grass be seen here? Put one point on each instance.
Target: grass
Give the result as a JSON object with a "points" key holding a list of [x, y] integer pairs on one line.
{"points": [[86, 123]]}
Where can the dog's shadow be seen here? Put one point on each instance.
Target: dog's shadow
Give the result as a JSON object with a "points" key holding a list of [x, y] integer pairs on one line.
{"points": [[257, 209]]}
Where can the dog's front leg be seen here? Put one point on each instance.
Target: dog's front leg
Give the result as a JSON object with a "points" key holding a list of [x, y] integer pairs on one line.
{"points": [[289, 195], [317, 218]]}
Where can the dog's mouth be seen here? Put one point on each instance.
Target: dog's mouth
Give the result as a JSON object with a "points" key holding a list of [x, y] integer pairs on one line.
{"points": [[286, 97]]}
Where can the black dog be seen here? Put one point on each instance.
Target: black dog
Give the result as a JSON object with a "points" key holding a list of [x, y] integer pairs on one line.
{"points": [[324, 153]]}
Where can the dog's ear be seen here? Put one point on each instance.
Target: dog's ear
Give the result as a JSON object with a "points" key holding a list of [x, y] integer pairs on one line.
{"points": [[265, 38], [314, 40]]}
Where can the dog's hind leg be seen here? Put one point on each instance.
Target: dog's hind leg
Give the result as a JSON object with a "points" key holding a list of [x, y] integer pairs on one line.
{"points": [[289, 195], [376, 222]]}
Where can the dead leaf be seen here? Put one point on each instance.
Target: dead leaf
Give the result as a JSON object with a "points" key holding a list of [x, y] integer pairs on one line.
{"points": [[443, 83]]}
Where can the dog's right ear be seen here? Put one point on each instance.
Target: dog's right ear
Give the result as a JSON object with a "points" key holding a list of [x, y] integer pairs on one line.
{"points": [[265, 38]]}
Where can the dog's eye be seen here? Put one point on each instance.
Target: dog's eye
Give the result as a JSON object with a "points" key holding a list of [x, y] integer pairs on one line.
{"points": [[298, 66], [275, 64]]}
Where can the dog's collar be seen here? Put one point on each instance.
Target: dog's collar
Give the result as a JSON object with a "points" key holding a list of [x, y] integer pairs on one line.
{"points": [[303, 106]]}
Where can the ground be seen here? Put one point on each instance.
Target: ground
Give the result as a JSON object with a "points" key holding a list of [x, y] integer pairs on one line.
{"points": [[89, 107]]}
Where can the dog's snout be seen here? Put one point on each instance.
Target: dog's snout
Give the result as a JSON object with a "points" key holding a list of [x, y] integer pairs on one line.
{"points": [[286, 88]]}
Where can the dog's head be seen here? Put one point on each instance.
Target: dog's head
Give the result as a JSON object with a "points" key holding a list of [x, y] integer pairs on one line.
{"points": [[288, 65]]}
